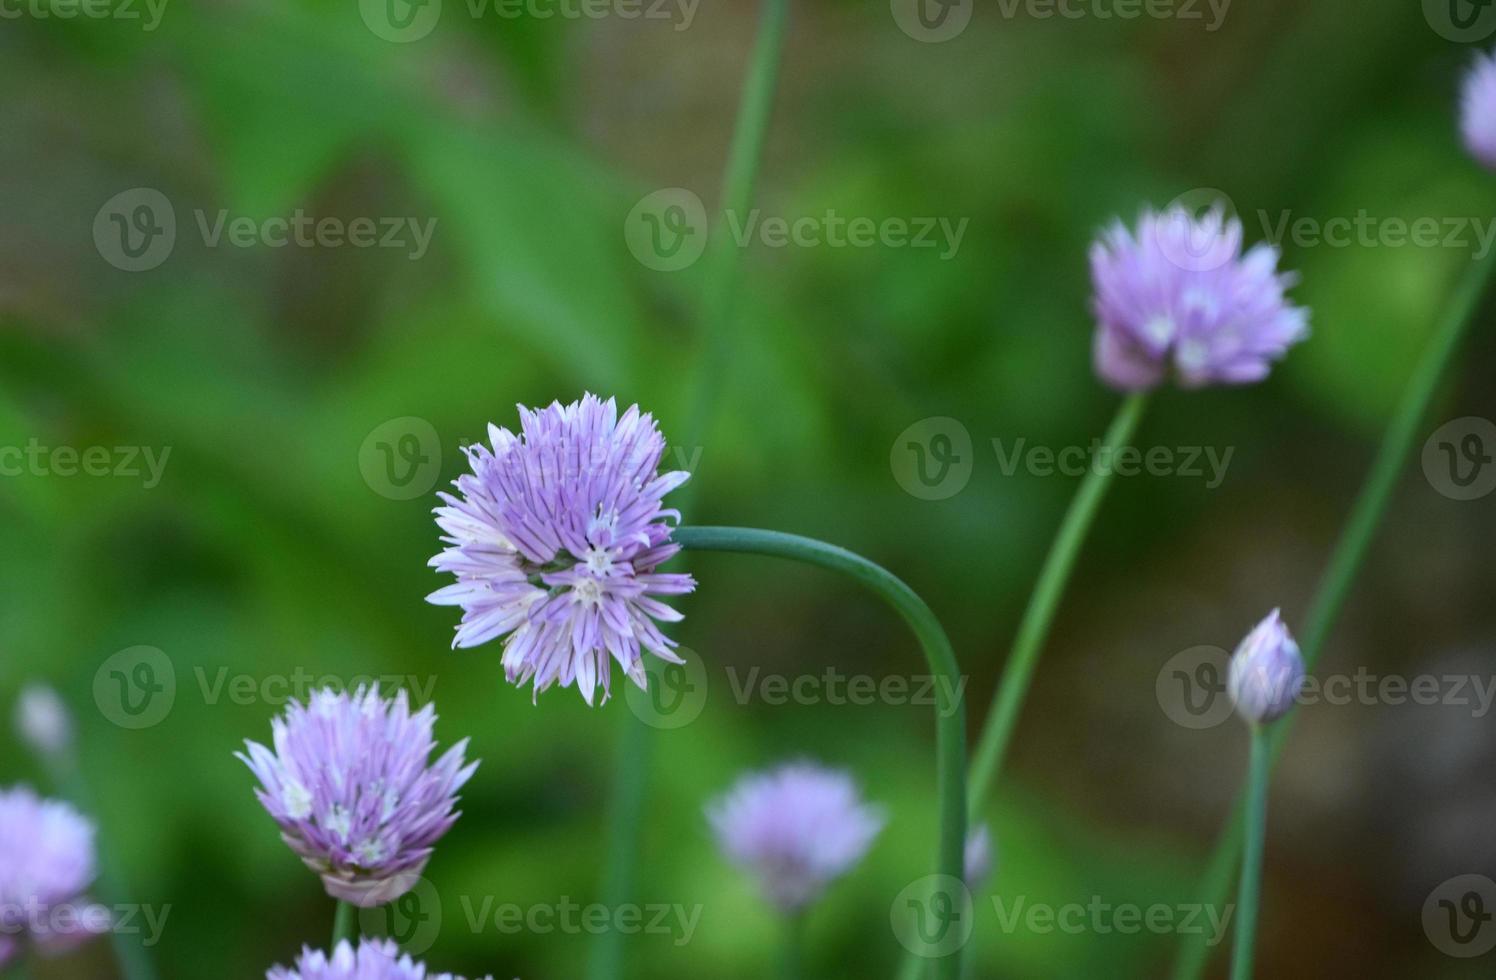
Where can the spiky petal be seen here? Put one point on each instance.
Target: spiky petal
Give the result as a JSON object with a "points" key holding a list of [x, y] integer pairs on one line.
{"points": [[372, 960]]}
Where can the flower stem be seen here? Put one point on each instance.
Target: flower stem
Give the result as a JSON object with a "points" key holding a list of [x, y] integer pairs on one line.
{"points": [[1345, 562], [631, 771], [1038, 617], [344, 924], [950, 710], [1247, 896], [792, 952]]}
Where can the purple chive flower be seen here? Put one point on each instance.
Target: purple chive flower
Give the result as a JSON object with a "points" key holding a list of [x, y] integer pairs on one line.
{"points": [[350, 786], [46, 865], [795, 829], [1181, 298], [42, 720], [555, 542], [979, 857], [1266, 672], [373, 960], [1478, 110]]}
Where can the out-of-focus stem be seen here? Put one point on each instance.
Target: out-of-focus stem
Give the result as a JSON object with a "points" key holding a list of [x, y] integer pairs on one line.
{"points": [[1249, 892]]}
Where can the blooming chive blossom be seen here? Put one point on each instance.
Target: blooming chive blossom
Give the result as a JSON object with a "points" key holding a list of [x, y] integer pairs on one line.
{"points": [[795, 830], [46, 865], [350, 785], [373, 960], [1478, 110], [555, 539], [1266, 672], [1181, 297]]}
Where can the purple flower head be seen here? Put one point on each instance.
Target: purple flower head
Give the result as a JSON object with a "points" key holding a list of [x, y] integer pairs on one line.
{"points": [[1478, 110], [1181, 297], [373, 960], [1266, 672], [555, 542], [46, 865], [795, 829], [42, 720], [979, 857], [352, 789]]}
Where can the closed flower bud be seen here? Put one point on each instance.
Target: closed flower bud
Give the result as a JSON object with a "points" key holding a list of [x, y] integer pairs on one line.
{"points": [[42, 720], [1266, 672]]}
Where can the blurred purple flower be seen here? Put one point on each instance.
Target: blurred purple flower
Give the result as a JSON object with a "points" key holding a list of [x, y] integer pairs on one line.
{"points": [[42, 720], [1478, 110], [350, 786], [1266, 672], [555, 542], [373, 960], [46, 865], [795, 829], [1182, 295], [979, 857]]}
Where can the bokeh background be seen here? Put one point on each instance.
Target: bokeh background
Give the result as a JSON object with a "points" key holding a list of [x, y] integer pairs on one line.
{"points": [[271, 548]]}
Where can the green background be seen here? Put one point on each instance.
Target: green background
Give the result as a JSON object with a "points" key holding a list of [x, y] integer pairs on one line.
{"points": [[264, 551]]}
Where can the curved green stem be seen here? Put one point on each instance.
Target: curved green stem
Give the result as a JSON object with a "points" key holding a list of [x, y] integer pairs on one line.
{"points": [[1345, 562], [1247, 896], [1007, 701], [344, 924], [950, 710], [635, 746]]}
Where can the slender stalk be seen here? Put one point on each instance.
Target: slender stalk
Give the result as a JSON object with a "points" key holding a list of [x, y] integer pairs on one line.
{"points": [[792, 950], [635, 746], [134, 962], [344, 924], [1345, 562], [950, 710], [1247, 895], [1007, 702]]}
